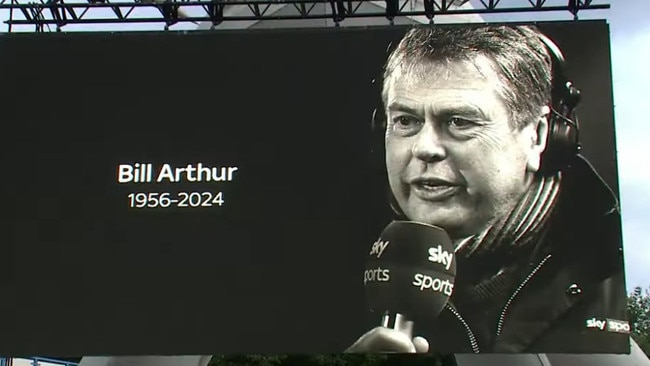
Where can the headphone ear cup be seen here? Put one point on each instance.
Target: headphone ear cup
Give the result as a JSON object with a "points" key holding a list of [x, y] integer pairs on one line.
{"points": [[377, 132], [378, 156], [375, 127], [561, 144]]}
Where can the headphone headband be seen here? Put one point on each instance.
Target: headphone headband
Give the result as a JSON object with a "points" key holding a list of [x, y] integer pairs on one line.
{"points": [[563, 142]]}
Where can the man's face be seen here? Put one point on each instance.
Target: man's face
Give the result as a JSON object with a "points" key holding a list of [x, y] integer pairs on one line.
{"points": [[454, 158]]}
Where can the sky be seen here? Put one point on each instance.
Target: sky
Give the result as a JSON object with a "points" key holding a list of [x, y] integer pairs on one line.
{"points": [[630, 45], [630, 34]]}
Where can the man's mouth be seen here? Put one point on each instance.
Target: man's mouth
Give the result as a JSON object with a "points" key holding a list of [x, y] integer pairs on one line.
{"points": [[432, 189]]}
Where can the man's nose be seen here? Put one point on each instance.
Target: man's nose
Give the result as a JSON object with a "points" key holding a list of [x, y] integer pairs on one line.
{"points": [[428, 145]]}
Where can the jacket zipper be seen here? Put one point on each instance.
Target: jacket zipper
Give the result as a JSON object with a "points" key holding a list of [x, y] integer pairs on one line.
{"points": [[468, 330], [521, 286]]}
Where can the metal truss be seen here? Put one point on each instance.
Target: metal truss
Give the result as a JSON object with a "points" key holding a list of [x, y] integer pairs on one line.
{"points": [[63, 12]]}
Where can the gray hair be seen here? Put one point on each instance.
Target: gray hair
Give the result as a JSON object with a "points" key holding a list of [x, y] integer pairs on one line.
{"points": [[521, 60]]}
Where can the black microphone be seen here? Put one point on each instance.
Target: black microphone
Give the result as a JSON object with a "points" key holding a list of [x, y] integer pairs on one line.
{"points": [[410, 274]]}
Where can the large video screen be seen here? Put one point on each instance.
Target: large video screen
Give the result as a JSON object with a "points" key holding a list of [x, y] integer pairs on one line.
{"points": [[389, 189]]}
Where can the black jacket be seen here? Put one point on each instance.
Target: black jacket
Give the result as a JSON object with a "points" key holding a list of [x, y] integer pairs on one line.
{"points": [[575, 274]]}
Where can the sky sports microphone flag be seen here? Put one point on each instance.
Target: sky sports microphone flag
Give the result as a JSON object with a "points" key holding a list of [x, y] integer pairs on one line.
{"points": [[410, 272], [231, 210]]}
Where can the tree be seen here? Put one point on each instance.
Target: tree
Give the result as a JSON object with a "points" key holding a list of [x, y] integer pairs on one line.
{"points": [[638, 305], [329, 360], [248, 360]]}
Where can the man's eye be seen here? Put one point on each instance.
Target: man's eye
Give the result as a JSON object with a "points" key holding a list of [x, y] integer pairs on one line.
{"points": [[404, 122], [460, 123]]}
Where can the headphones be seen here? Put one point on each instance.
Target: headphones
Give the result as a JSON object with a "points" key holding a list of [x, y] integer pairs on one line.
{"points": [[562, 141]]}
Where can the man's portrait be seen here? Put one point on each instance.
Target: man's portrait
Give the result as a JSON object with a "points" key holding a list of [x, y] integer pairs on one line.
{"points": [[480, 139]]}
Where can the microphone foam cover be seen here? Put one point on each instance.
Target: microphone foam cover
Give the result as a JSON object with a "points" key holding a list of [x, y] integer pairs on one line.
{"points": [[411, 270]]}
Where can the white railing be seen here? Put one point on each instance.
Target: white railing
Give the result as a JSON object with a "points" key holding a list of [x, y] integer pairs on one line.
{"points": [[34, 361]]}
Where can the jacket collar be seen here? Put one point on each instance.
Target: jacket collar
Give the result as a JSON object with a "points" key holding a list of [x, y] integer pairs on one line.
{"points": [[583, 246]]}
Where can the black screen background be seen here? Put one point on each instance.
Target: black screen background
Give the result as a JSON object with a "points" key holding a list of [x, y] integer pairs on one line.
{"points": [[279, 267]]}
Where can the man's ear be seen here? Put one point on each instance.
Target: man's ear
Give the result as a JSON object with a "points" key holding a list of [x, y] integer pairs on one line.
{"points": [[535, 136]]}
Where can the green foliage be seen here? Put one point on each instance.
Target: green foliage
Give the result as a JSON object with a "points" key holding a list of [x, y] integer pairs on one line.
{"points": [[328, 360], [638, 305], [248, 360]]}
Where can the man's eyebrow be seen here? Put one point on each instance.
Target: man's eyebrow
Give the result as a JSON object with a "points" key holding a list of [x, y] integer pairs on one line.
{"points": [[401, 107], [469, 110], [460, 110]]}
